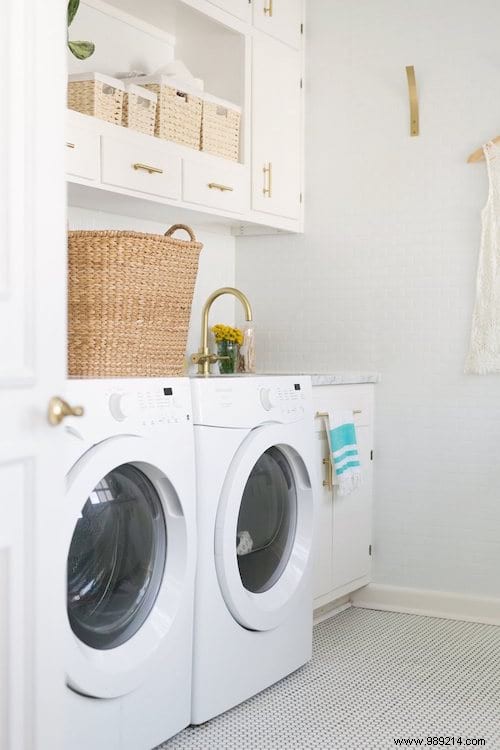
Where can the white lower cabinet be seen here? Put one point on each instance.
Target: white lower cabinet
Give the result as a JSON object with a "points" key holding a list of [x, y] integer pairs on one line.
{"points": [[343, 524]]}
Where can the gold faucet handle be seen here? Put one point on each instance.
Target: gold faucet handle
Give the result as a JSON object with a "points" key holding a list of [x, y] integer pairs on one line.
{"points": [[199, 359]]}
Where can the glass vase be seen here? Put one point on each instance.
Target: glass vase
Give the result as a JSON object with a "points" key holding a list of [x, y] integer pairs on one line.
{"points": [[228, 349]]}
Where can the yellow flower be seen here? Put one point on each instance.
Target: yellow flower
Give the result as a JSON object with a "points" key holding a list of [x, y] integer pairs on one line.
{"points": [[227, 333]]}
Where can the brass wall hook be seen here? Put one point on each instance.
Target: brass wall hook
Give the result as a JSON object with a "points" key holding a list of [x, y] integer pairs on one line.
{"points": [[412, 91]]}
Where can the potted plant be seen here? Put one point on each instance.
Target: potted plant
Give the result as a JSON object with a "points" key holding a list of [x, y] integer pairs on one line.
{"points": [[81, 50]]}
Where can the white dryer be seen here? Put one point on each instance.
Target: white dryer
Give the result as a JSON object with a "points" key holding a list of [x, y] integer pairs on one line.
{"points": [[130, 524], [253, 598]]}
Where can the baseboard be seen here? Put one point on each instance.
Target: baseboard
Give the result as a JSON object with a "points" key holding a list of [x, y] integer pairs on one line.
{"points": [[331, 609], [430, 603]]}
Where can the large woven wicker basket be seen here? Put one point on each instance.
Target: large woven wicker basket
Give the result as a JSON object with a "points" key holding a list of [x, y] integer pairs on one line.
{"points": [[130, 297]]}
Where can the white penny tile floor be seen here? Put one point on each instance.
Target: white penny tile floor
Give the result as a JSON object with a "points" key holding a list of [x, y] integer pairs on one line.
{"points": [[375, 677]]}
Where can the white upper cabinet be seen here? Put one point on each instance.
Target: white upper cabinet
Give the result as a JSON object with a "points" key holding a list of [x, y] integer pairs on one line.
{"points": [[276, 128], [245, 52], [239, 8], [280, 18]]}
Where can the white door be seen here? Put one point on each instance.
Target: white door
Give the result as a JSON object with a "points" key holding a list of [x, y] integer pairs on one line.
{"points": [[240, 8], [32, 369], [276, 128], [280, 18]]}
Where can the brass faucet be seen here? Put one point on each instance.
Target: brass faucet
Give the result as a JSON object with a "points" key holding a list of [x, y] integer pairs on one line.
{"points": [[203, 358]]}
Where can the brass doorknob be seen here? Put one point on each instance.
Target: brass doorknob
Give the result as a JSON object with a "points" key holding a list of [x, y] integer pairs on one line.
{"points": [[59, 409]]}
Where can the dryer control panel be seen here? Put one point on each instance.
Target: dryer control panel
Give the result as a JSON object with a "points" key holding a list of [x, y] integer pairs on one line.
{"points": [[139, 406], [249, 401]]}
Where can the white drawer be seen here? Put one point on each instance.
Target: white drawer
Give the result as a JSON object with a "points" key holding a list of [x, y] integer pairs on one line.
{"points": [[222, 186], [146, 169], [82, 153]]}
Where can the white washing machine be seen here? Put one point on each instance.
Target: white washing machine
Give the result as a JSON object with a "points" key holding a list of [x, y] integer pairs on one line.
{"points": [[130, 521], [253, 598]]}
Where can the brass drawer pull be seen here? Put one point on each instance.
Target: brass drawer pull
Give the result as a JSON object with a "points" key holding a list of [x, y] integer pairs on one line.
{"points": [[268, 9], [147, 168], [222, 188], [268, 179], [70, 145], [328, 482]]}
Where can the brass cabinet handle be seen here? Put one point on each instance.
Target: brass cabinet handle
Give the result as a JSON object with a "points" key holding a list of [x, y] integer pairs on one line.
{"points": [[70, 145], [59, 409], [222, 188], [147, 168], [268, 179], [328, 482], [268, 9]]}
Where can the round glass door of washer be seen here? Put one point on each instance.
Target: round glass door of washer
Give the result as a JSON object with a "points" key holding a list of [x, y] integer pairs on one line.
{"points": [[266, 522], [116, 559]]}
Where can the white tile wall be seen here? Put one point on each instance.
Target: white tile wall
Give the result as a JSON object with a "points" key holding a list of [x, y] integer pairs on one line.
{"points": [[216, 266], [384, 277]]}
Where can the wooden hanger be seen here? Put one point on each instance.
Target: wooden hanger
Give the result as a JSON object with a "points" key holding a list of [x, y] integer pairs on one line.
{"points": [[478, 155]]}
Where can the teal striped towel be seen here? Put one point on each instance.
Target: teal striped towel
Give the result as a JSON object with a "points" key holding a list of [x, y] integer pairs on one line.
{"points": [[344, 451]]}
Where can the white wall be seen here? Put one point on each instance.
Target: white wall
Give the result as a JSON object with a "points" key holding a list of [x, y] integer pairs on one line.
{"points": [[384, 277], [216, 266]]}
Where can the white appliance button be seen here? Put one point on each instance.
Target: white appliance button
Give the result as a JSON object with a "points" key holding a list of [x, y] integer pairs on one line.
{"points": [[120, 406]]}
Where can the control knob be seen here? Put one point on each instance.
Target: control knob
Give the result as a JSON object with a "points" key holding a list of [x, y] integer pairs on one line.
{"points": [[120, 406], [267, 398]]}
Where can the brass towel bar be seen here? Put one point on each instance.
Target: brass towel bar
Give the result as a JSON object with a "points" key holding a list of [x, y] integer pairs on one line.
{"points": [[325, 413]]}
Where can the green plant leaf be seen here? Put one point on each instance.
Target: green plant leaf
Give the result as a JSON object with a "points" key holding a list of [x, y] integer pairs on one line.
{"points": [[73, 6], [82, 50]]}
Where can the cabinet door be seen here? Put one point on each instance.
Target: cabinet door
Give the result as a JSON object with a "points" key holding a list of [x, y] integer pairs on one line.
{"points": [[276, 128], [352, 525], [239, 8], [280, 18], [323, 527]]}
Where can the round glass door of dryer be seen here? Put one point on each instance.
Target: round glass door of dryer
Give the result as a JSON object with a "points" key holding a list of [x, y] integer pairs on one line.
{"points": [[266, 522], [116, 559], [264, 526]]}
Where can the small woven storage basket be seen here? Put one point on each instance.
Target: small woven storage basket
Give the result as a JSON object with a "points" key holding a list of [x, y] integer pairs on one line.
{"points": [[220, 130], [178, 115], [97, 96], [129, 302], [139, 109]]}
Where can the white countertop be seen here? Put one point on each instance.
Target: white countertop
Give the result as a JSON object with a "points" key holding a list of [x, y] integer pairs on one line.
{"points": [[329, 378], [344, 378]]}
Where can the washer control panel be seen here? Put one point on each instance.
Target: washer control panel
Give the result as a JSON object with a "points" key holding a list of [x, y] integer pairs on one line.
{"points": [[287, 399], [249, 401]]}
